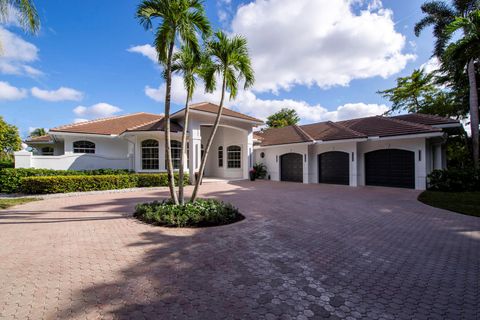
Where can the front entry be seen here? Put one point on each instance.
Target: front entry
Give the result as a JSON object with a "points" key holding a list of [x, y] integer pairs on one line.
{"points": [[333, 168], [390, 168], [291, 167]]}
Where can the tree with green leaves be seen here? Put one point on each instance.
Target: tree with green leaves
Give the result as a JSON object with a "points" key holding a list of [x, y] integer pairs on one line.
{"points": [[9, 139], [441, 15], [25, 12], [38, 132], [179, 20], [230, 61], [465, 53], [191, 66], [284, 117]]}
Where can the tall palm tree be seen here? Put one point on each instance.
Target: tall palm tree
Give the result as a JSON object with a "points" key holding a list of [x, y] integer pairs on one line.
{"points": [[440, 15], [230, 61], [27, 14], [465, 52], [191, 66], [179, 20]]}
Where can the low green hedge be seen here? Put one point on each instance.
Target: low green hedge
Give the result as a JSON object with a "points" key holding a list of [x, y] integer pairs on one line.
{"points": [[454, 180], [10, 178], [79, 183], [201, 213]]}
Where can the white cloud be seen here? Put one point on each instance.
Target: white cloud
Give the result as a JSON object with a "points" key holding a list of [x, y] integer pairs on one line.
{"points": [[78, 120], [431, 65], [319, 42], [17, 54], [247, 102], [61, 94], [9, 92], [96, 111], [145, 50]]}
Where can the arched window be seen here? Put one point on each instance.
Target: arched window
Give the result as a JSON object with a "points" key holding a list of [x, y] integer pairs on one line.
{"points": [[150, 154], [83, 147], [234, 157], [176, 147], [220, 156], [47, 151]]}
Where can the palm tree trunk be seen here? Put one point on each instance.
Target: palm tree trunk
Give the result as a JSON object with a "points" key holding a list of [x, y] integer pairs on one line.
{"points": [[181, 196], [210, 141], [473, 111], [171, 179]]}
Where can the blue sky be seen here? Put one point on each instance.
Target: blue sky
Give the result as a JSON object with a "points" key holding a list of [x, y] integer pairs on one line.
{"points": [[324, 58]]}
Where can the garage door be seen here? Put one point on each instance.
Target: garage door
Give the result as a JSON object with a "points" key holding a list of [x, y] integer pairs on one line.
{"points": [[333, 167], [390, 168], [291, 167]]}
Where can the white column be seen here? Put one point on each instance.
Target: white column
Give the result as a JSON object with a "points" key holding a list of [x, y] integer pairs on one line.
{"points": [[305, 164], [437, 161], [353, 156], [195, 142], [248, 155]]}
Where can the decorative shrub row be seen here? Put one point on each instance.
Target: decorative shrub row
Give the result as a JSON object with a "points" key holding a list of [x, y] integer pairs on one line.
{"points": [[201, 213], [6, 163], [10, 178], [79, 183], [454, 180]]}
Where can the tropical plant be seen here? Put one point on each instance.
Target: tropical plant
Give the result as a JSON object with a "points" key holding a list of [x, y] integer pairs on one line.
{"points": [[284, 117], [9, 139], [191, 66], [230, 61], [465, 52], [441, 15], [38, 132], [179, 20], [25, 12]]}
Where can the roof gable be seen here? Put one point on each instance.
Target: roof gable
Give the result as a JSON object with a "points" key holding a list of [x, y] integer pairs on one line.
{"points": [[212, 108]]}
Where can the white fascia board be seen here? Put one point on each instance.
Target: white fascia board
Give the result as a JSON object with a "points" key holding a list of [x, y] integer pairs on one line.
{"points": [[225, 116], [284, 145], [340, 141], [408, 136], [61, 133]]}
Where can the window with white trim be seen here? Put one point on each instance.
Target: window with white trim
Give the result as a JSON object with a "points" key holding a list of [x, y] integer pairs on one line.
{"points": [[220, 156], [47, 151], [150, 154], [234, 157], [176, 148], [83, 147]]}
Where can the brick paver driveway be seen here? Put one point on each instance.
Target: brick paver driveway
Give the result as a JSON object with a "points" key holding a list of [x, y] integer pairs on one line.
{"points": [[304, 251]]}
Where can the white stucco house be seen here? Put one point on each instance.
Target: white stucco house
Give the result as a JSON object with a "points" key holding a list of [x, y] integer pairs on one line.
{"points": [[384, 151]]}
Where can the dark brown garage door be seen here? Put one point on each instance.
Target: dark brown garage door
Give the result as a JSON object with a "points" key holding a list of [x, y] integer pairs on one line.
{"points": [[291, 167], [333, 167], [390, 168]]}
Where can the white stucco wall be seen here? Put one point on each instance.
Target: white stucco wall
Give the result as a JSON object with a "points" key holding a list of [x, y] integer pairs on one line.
{"points": [[272, 159]]}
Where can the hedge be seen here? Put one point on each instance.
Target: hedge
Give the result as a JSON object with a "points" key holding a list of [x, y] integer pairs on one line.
{"points": [[79, 183], [454, 180], [10, 178]]}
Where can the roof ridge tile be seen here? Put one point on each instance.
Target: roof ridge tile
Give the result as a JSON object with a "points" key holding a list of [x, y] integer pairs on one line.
{"points": [[302, 132], [413, 124], [145, 123], [354, 132]]}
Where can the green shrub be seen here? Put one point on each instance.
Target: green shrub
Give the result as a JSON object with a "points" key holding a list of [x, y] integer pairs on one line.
{"points": [[10, 178], [260, 170], [454, 180], [201, 213], [78, 183], [7, 163]]}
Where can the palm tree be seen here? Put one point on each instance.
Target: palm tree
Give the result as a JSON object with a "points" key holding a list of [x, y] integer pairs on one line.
{"points": [[230, 61], [441, 15], [191, 66], [465, 52], [182, 19], [27, 14], [38, 132]]}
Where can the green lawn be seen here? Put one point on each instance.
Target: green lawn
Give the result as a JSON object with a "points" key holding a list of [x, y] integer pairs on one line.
{"points": [[7, 203], [461, 202]]}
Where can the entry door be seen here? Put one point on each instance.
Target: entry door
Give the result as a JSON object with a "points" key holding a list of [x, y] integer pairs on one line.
{"points": [[390, 168], [291, 167], [334, 168]]}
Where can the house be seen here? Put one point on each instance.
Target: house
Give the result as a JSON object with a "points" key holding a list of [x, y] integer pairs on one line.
{"points": [[394, 151]]}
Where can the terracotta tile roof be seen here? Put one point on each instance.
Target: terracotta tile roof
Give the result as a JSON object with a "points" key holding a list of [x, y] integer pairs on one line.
{"points": [[109, 126], [385, 126], [329, 130], [213, 108], [348, 129], [39, 139], [427, 119], [157, 125]]}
